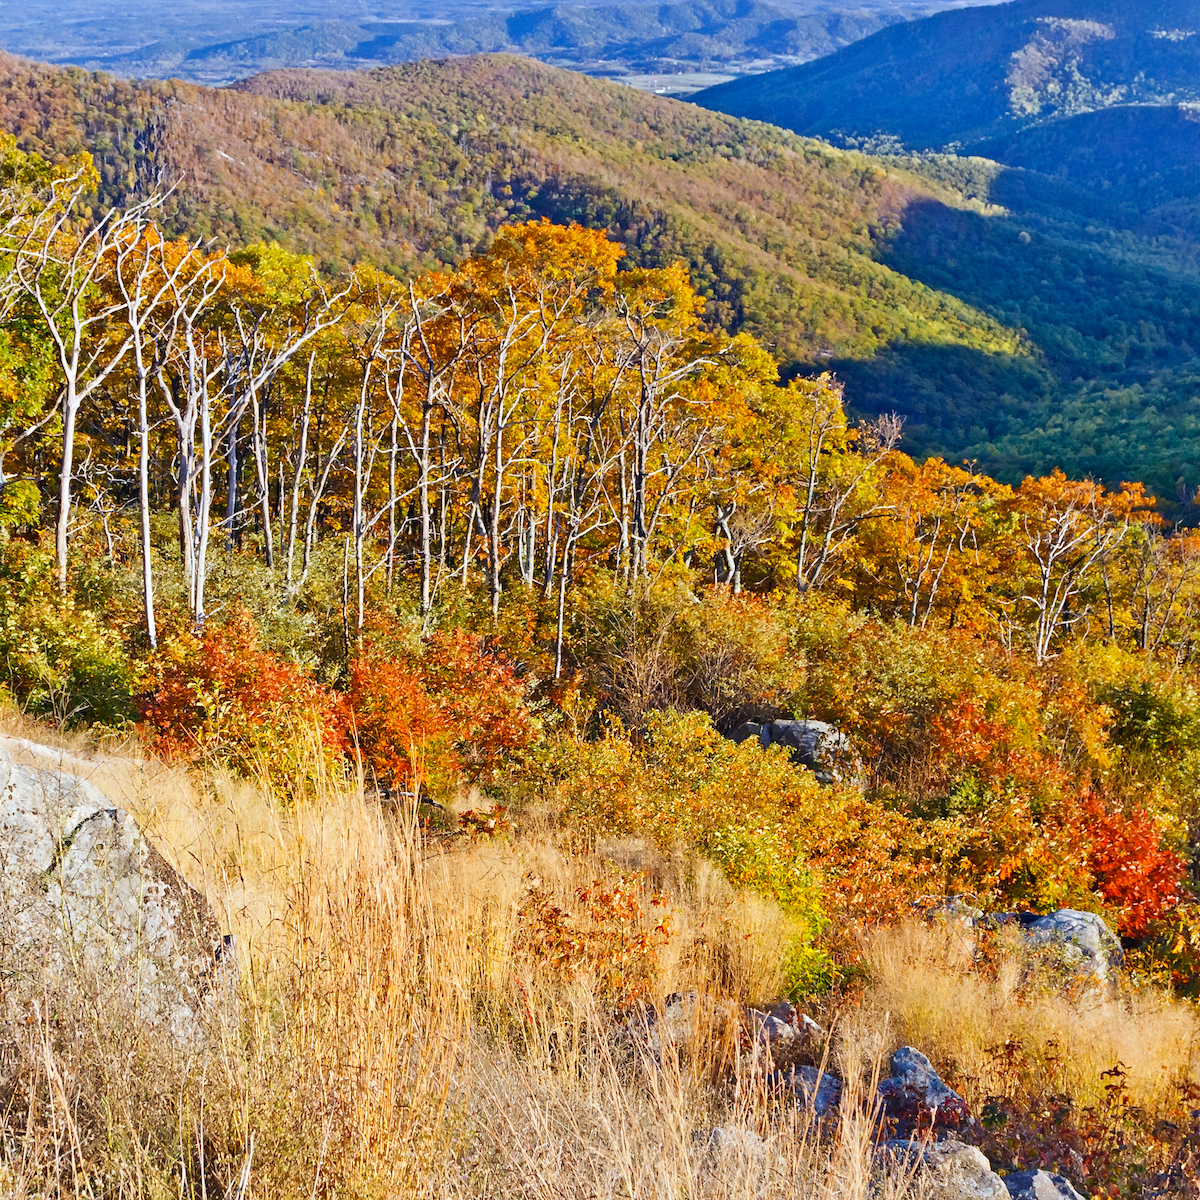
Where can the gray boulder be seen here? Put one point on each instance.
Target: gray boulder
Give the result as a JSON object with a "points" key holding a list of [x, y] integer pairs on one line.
{"points": [[813, 1089], [1078, 947], [745, 731], [1087, 946], [772, 1032], [817, 745], [89, 908], [730, 1142], [915, 1099], [947, 1170], [1039, 1185]]}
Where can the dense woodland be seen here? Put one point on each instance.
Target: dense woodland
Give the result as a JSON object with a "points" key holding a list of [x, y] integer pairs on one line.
{"points": [[433, 520]]}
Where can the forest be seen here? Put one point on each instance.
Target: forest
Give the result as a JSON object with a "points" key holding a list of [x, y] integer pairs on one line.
{"points": [[553, 455], [449, 583]]}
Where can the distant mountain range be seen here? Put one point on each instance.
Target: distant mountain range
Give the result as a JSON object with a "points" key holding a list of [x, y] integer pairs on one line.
{"points": [[970, 77], [687, 44], [700, 35]]}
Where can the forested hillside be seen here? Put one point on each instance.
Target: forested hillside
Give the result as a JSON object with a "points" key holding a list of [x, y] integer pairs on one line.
{"points": [[1007, 318], [1142, 155]]}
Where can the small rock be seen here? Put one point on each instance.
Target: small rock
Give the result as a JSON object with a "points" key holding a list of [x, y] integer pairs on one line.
{"points": [[915, 1098], [804, 1025], [770, 1030], [948, 1170], [811, 1029], [674, 1023], [817, 1090], [1039, 1185], [727, 1141], [781, 1031]]}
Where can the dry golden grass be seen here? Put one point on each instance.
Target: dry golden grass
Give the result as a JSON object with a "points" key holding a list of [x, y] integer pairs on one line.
{"points": [[397, 1037], [926, 986]]}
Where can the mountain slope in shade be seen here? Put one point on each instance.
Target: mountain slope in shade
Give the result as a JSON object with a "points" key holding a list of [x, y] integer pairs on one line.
{"points": [[982, 73], [1147, 155]]}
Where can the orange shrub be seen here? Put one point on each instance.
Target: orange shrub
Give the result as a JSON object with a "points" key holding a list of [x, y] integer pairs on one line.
{"points": [[966, 739], [482, 699], [397, 726], [221, 694], [457, 710]]}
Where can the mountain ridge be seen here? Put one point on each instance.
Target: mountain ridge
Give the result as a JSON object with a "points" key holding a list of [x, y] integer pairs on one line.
{"points": [[689, 35], [969, 75]]}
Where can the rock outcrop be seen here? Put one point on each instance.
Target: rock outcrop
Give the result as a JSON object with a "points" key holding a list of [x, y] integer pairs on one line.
{"points": [[947, 1170], [1082, 941], [1072, 948], [817, 745], [916, 1100], [86, 903]]}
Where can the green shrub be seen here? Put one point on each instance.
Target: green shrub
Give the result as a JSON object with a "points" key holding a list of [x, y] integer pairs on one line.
{"points": [[747, 810], [56, 658]]}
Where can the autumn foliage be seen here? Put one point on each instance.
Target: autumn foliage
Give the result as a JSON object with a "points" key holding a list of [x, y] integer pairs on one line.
{"points": [[1138, 875], [613, 937], [222, 694], [454, 711]]}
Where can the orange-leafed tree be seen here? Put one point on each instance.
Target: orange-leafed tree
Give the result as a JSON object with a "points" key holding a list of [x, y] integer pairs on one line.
{"points": [[1066, 531], [935, 547]]}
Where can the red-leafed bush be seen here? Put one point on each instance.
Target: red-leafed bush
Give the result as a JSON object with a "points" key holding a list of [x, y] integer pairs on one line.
{"points": [[482, 700], [1135, 871], [456, 710], [221, 694], [966, 740], [397, 726]]}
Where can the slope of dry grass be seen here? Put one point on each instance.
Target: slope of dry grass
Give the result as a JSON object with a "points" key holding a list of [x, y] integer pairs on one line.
{"points": [[403, 1032]]}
